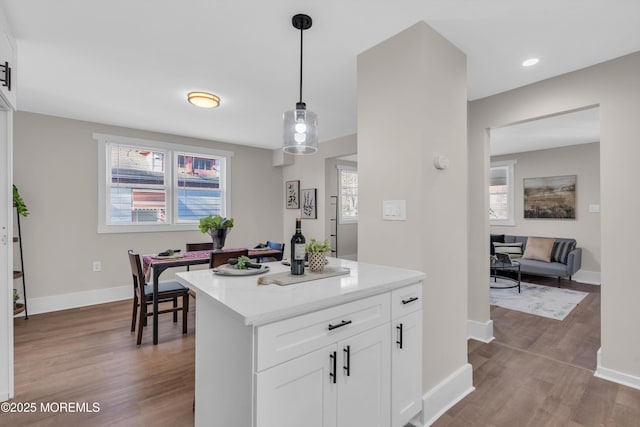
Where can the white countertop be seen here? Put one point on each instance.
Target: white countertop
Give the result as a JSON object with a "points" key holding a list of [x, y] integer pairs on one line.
{"points": [[260, 304]]}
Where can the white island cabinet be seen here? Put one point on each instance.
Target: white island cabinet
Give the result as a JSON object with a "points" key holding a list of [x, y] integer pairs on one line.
{"points": [[340, 351]]}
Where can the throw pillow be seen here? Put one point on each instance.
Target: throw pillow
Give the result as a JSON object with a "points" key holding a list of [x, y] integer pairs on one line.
{"points": [[561, 249], [513, 249], [495, 238], [539, 248]]}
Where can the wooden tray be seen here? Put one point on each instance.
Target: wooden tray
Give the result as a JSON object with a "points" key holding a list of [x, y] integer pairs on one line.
{"points": [[285, 278]]}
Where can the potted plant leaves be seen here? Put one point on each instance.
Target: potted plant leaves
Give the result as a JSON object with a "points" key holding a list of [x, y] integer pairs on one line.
{"points": [[218, 228], [19, 203], [316, 254]]}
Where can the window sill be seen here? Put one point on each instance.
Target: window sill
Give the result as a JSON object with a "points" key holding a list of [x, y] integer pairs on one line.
{"points": [[503, 223], [112, 229]]}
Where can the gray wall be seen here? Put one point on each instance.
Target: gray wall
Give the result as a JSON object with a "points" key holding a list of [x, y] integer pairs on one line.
{"points": [[310, 171], [412, 106], [581, 160], [615, 87], [55, 168]]}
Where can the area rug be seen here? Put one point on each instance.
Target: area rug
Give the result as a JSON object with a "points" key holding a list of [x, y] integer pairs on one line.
{"points": [[554, 303]]}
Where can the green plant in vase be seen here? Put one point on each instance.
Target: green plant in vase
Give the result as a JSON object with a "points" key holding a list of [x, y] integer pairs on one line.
{"points": [[217, 227], [316, 254]]}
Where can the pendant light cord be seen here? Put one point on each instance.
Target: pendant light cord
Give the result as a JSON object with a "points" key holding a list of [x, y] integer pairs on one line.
{"points": [[301, 31]]}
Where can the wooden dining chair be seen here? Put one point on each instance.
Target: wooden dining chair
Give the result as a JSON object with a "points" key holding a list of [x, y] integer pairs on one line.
{"points": [[201, 246], [273, 245], [219, 258], [143, 297]]}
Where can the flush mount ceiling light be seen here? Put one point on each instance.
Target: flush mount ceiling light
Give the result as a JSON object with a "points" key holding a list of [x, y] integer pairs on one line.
{"points": [[203, 99], [300, 126], [529, 62]]}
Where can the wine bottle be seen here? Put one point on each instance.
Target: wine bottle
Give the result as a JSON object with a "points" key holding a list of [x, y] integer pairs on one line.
{"points": [[297, 250]]}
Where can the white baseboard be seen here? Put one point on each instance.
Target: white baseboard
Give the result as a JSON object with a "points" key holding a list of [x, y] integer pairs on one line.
{"points": [[78, 299], [615, 376], [480, 331], [442, 397], [588, 277]]}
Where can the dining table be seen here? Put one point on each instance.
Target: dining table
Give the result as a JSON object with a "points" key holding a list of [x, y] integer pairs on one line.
{"points": [[154, 265]]}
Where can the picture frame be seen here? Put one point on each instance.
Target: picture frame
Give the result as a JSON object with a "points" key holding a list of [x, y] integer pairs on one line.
{"points": [[292, 194], [309, 203], [551, 197]]}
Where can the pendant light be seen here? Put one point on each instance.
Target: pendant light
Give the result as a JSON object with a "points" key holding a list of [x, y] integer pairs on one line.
{"points": [[300, 126]]}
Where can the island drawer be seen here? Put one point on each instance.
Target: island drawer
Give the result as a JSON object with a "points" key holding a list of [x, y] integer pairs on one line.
{"points": [[406, 300], [284, 340]]}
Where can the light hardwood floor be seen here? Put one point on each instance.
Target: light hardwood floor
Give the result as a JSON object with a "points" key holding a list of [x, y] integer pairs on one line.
{"points": [[537, 372], [89, 355]]}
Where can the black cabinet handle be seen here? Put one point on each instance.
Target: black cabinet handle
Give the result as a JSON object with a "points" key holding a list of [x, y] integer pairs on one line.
{"points": [[347, 359], [332, 371], [341, 324], [407, 301], [399, 341]]}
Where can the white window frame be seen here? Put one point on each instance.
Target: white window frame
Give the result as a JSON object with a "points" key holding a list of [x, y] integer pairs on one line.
{"points": [[171, 161], [341, 219], [510, 165]]}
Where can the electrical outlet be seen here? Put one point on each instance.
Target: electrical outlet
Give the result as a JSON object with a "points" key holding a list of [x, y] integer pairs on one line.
{"points": [[97, 266]]}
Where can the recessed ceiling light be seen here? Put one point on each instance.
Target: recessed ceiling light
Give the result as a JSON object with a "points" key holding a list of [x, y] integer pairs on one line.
{"points": [[529, 62], [203, 99]]}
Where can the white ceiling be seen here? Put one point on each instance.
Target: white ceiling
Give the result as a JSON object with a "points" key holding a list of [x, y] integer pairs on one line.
{"points": [[131, 62], [578, 127]]}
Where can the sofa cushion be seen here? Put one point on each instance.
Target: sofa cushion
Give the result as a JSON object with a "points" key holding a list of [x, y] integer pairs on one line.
{"points": [[532, 266], [513, 249], [561, 249], [539, 248]]}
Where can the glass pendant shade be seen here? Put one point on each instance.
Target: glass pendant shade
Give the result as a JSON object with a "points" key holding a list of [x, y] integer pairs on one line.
{"points": [[300, 131]]}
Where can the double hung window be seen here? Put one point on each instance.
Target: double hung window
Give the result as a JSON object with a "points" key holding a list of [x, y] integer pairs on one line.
{"points": [[347, 194], [501, 190], [154, 186]]}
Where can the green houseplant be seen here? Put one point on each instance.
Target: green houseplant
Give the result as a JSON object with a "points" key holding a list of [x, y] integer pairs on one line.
{"points": [[316, 253], [217, 227], [19, 203]]}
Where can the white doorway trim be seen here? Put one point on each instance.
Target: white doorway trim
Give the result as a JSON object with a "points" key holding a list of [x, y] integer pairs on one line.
{"points": [[6, 252]]}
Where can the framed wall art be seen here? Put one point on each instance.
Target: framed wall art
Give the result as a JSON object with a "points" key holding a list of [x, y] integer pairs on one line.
{"points": [[550, 197], [292, 194], [309, 206]]}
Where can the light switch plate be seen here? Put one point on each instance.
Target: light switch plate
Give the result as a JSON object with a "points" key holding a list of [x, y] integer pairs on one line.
{"points": [[594, 208], [394, 210]]}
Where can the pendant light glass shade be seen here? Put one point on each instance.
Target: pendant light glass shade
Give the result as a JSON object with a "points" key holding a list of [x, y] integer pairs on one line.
{"points": [[300, 126], [300, 131]]}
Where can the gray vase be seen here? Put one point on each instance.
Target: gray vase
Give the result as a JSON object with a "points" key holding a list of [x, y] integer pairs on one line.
{"points": [[218, 235]]}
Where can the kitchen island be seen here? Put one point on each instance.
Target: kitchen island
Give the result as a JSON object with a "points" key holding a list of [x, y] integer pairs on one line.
{"points": [[338, 351]]}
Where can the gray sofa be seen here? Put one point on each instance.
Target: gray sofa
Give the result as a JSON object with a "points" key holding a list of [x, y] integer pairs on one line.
{"points": [[542, 268]]}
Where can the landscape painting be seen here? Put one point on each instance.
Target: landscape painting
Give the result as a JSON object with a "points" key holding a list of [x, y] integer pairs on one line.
{"points": [[551, 197]]}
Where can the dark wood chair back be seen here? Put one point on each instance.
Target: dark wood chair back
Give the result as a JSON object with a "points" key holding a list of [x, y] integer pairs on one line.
{"points": [[204, 246], [136, 270], [143, 297], [219, 258]]}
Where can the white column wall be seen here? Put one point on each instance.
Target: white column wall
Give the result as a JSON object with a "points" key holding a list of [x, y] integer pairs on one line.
{"points": [[412, 107]]}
